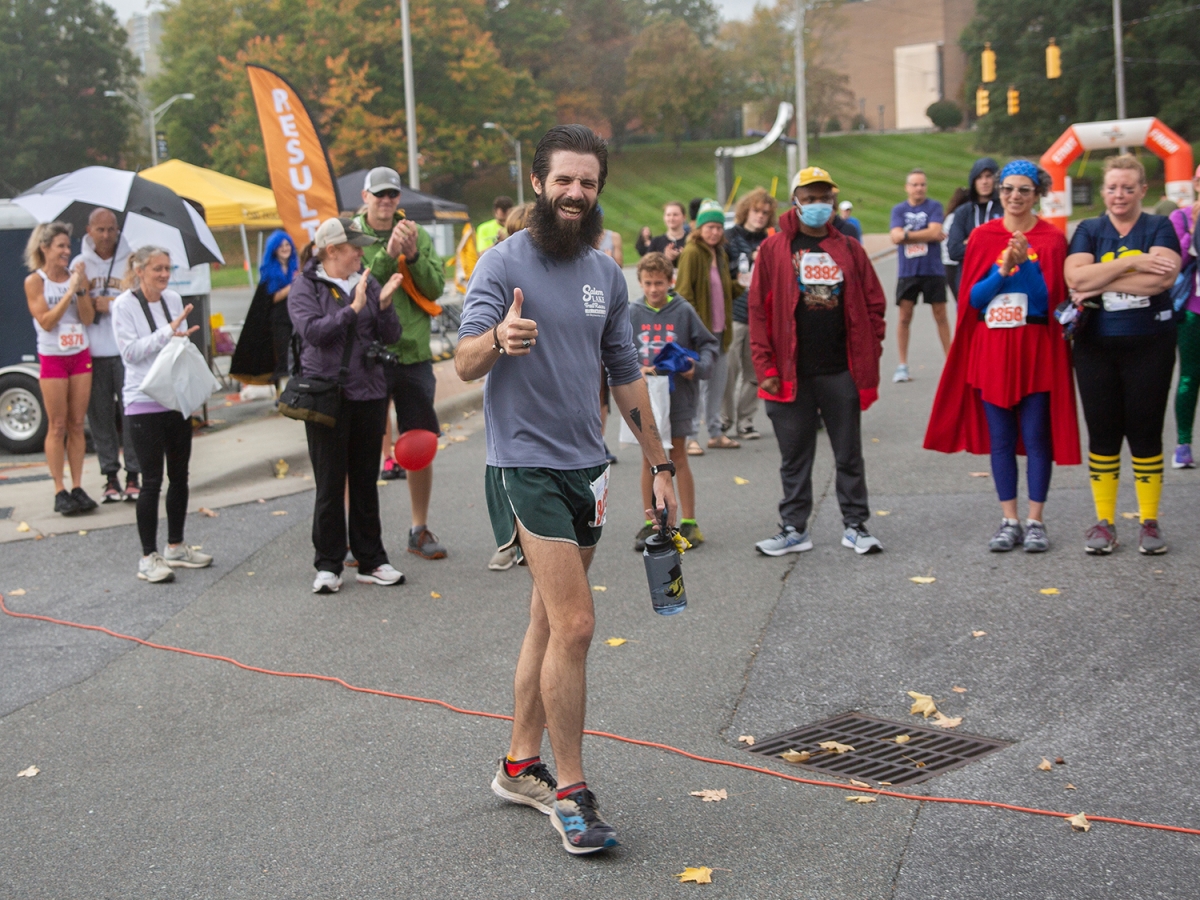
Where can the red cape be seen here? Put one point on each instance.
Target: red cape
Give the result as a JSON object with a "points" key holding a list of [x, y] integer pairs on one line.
{"points": [[957, 421]]}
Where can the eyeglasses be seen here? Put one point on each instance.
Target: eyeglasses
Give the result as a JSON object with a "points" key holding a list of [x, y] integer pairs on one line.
{"points": [[1024, 190], [390, 194]]}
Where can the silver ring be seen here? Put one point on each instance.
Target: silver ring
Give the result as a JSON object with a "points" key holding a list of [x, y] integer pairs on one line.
{"points": [[526, 343]]}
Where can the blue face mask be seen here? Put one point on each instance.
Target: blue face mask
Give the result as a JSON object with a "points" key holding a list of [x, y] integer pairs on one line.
{"points": [[814, 215]]}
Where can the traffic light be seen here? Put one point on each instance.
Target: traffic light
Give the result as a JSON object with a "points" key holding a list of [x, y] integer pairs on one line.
{"points": [[988, 63], [1014, 101], [1053, 60], [982, 102]]}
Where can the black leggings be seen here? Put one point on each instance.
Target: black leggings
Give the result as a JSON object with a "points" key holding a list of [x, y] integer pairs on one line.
{"points": [[155, 436], [1124, 383]]}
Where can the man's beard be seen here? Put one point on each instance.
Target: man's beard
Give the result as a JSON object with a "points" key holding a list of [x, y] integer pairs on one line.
{"points": [[559, 238]]}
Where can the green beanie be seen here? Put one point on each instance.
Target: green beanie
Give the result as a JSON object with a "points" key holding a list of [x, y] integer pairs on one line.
{"points": [[710, 211]]}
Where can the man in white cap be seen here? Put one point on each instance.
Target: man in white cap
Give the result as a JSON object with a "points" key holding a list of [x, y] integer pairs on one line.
{"points": [[405, 247]]}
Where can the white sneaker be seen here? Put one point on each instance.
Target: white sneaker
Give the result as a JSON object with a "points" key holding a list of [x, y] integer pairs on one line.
{"points": [[385, 574], [901, 374], [503, 560], [327, 583], [154, 568], [186, 557]]}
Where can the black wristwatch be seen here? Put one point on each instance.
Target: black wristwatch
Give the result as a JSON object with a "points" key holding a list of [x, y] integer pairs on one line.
{"points": [[668, 466]]}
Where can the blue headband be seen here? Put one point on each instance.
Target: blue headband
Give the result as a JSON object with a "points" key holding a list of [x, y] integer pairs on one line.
{"points": [[1020, 167]]}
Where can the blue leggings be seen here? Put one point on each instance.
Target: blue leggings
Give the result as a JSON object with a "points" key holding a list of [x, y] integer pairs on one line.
{"points": [[1033, 413]]}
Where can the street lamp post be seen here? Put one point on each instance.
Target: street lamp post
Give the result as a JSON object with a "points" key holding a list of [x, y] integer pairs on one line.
{"points": [[517, 148], [801, 100], [410, 102], [153, 116]]}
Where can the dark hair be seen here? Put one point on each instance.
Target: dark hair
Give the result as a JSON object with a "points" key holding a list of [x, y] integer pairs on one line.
{"points": [[573, 139], [694, 207], [961, 196], [502, 203]]}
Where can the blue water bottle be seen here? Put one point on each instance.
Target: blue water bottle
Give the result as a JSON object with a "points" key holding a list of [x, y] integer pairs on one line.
{"points": [[664, 571]]}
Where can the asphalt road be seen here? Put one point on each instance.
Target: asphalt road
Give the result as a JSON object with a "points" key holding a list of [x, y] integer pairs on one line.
{"points": [[170, 776]]}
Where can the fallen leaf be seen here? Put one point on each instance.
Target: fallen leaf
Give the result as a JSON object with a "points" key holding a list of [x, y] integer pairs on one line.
{"points": [[883, 512], [1129, 515], [23, 527], [443, 446], [941, 720], [381, 483], [859, 798], [1048, 591], [19, 592], [922, 579], [435, 595], [445, 426], [28, 773], [205, 511], [737, 479], [281, 468], [1045, 765], [617, 642], [874, 440], [979, 474], [709, 795], [747, 739], [457, 438], [599, 587], [923, 704], [1070, 787], [859, 783], [698, 874], [835, 747], [249, 573], [261, 500], [279, 512], [958, 690], [795, 756], [1059, 761], [886, 783], [1079, 822], [82, 532], [902, 738], [978, 633]]}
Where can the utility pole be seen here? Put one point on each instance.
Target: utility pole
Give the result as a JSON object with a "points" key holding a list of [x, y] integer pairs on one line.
{"points": [[1119, 53], [410, 102], [801, 102]]}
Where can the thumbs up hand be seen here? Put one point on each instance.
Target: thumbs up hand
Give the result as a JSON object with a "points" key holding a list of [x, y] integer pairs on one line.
{"points": [[517, 335]]}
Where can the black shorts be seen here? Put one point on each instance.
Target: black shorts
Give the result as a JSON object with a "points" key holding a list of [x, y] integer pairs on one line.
{"points": [[931, 288], [412, 387]]}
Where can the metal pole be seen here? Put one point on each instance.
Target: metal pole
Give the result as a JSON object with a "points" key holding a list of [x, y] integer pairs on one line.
{"points": [[246, 256], [520, 176], [1119, 53], [410, 102], [801, 102], [153, 138]]}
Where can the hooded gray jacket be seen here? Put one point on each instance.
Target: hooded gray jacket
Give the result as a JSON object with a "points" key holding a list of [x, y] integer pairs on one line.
{"points": [[971, 215]]}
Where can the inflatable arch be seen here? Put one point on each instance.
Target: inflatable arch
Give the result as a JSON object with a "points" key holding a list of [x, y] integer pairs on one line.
{"points": [[1175, 152]]}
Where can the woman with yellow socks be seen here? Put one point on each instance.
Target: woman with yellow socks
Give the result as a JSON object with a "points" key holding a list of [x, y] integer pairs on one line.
{"points": [[1120, 268]]}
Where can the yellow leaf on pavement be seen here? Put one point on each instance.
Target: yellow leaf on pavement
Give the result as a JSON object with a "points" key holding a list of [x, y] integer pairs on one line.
{"points": [[737, 479], [708, 795], [443, 446], [943, 721], [902, 738], [1079, 822], [747, 739], [883, 512], [859, 783], [1045, 765], [923, 579], [835, 747], [279, 512], [28, 773], [281, 468], [435, 595], [615, 642], [19, 592], [1070, 787], [795, 756], [978, 633], [23, 527], [859, 798], [958, 690], [457, 438], [82, 532], [1048, 591], [205, 511], [599, 587], [922, 703], [1129, 515], [698, 874]]}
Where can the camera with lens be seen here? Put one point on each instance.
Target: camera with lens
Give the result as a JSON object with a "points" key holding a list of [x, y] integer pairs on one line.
{"points": [[378, 353]]}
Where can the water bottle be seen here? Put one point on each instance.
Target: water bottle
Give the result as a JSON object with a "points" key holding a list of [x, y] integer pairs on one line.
{"points": [[664, 572], [744, 270]]}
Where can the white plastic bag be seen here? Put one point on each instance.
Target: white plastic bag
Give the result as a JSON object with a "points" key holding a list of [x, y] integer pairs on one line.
{"points": [[660, 402], [180, 378]]}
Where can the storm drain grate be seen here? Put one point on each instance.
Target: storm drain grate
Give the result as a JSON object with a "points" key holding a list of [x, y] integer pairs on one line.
{"points": [[876, 755]]}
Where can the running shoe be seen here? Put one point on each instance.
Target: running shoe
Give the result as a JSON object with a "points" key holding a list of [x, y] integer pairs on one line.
{"points": [[85, 503], [1101, 539], [639, 539], [1151, 540], [424, 543], [789, 540], [112, 490], [327, 583], [384, 574], [503, 560], [1036, 540], [186, 557], [610, 456], [861, 541], [582, 829], [533, 786], [132, 489], [1183, 457], [154, 568], [749, 434], [1007, 536], [66, 504], [390, 471], [692, 532], [901, 374]]}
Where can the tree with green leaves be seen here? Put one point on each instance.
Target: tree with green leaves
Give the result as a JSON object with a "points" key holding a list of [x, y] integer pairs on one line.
{"points": [[60, 56], [671, 80]]}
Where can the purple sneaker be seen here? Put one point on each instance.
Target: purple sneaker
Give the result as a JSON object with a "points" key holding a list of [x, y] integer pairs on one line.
{"points": [[1183, 457]]}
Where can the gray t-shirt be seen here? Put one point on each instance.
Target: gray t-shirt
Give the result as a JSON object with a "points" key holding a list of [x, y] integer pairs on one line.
{"points": [[543, 410]]}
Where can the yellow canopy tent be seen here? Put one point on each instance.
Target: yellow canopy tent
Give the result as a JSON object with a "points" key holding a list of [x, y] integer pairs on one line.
{"points": [[228, 202]]}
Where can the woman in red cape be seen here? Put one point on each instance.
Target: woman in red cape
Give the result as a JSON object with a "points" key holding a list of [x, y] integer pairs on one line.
{"points": [[1005, 364]]}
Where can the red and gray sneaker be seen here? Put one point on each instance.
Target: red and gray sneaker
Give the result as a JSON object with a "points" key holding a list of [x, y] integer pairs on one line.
{"points": [[1151, 541], [582, 829], [132, 488], [112, 490], [1101, 538], [532, 786]]}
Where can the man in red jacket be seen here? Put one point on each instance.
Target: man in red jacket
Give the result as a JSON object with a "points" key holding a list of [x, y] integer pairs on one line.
{"points": [[816, 335]]}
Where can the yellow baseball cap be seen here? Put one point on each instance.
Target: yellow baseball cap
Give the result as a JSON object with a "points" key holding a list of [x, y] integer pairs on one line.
{"points": [[812, 175]]}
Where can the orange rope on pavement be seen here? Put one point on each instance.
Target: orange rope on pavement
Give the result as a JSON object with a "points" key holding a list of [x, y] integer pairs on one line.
{"points": [[603, 734]]}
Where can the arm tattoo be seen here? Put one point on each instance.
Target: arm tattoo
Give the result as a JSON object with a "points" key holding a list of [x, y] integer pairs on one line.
{"points": [[635, 415]]}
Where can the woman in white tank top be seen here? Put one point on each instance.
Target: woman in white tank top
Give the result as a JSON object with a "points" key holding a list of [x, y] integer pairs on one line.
{"points": [[61, 308]]}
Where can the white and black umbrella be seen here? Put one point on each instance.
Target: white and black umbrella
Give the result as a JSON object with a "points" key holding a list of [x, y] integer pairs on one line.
{"points": [[148, 213]]}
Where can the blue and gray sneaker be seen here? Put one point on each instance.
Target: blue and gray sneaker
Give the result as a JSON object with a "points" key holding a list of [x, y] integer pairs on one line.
{"points": [[1183, 457], [861, 541], [1007, 536], [789, 540], [1036, 540], [582, 829]]}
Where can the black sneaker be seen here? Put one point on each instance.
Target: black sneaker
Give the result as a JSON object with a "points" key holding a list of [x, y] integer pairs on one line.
{"points": [[112, 490], [132, 488], [66, 504], [582, 829], [82, 500]]}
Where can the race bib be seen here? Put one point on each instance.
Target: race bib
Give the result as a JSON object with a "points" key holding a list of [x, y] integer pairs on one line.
{"points": [[1007, 311], [600, 493], [1116, 301], [819, 268], [912, 251], [70, 337]]}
